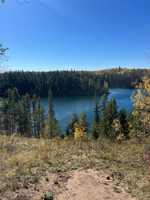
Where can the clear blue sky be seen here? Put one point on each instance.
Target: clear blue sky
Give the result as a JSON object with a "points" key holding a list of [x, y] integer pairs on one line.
{"points": [[76, 34]]}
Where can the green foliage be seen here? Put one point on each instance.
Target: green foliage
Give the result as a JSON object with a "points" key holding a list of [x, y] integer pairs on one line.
{"points": [[25, 125], [30, 158], [27, 116], [70, 128], [104, 102], [108, 115], [69, 83], [53, 127], [48, 196], [122, 115], [83, 118], [96, 119]]}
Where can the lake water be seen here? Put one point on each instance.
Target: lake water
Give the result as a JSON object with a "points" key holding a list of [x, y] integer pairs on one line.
{"points": [[65, 106]]}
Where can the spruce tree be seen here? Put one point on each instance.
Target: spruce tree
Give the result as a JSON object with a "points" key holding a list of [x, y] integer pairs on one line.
{"points": [[104, 101], [53, 127], [5, 114], [26, 112], [95, 123], [40, 122], [42, 117], [13, 110], [70, 128], [122, 115], [109, 114], [83, 118], [34, 115], [106, 89]]}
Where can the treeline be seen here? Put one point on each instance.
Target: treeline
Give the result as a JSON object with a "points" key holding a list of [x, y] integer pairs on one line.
{"points": [[69, 83], [26, 116], [63, 83]]}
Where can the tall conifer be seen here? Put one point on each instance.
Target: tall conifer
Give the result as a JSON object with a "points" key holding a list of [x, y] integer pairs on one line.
{"points": [[95, 123], [53, 127]]}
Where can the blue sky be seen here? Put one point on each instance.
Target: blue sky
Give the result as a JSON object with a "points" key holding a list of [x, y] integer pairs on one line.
{"points": [[76, 34]]}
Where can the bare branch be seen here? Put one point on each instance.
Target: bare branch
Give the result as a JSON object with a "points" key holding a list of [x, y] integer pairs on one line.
{"points": [[3, 57]]}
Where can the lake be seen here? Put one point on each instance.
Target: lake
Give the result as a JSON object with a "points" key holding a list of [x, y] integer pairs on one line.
{"points": [[65, 106]]}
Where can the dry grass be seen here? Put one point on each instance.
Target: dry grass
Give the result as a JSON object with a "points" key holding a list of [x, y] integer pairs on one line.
{"points": [[27, 159]]}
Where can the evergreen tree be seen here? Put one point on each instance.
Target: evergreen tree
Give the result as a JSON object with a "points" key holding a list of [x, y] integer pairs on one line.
{"points": [[104, 102], [95, 123], [34, 115], [83, 118], [67, 83], [42, 117], [109, 114], [26, 113], [122, 115], [40, 122], [106, 87], [53, 127], [70, 128], [5, 114], [13, 110]]}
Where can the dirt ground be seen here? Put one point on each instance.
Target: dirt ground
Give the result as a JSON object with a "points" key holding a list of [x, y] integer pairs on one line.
{"points": [[78, 184]]}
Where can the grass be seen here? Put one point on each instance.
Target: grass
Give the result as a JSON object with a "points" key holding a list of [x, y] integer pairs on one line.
{"points": [[28, 159], [117, 190]]}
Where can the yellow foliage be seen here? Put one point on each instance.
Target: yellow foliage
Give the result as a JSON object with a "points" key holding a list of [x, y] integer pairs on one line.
{"points": [[80, 130], [141, 111], [120, 137], [116, 128], [116, 125]]}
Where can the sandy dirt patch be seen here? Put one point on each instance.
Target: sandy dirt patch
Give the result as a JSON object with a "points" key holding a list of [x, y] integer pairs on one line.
{"points": [[74, 185]]}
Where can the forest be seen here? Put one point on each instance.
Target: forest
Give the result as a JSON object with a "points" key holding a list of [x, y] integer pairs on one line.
{"points": [[24, 115], [70, 83]]}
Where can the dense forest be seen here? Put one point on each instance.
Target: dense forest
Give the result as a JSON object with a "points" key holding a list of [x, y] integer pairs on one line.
{"points": [[27, 117], [69, 83]]}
